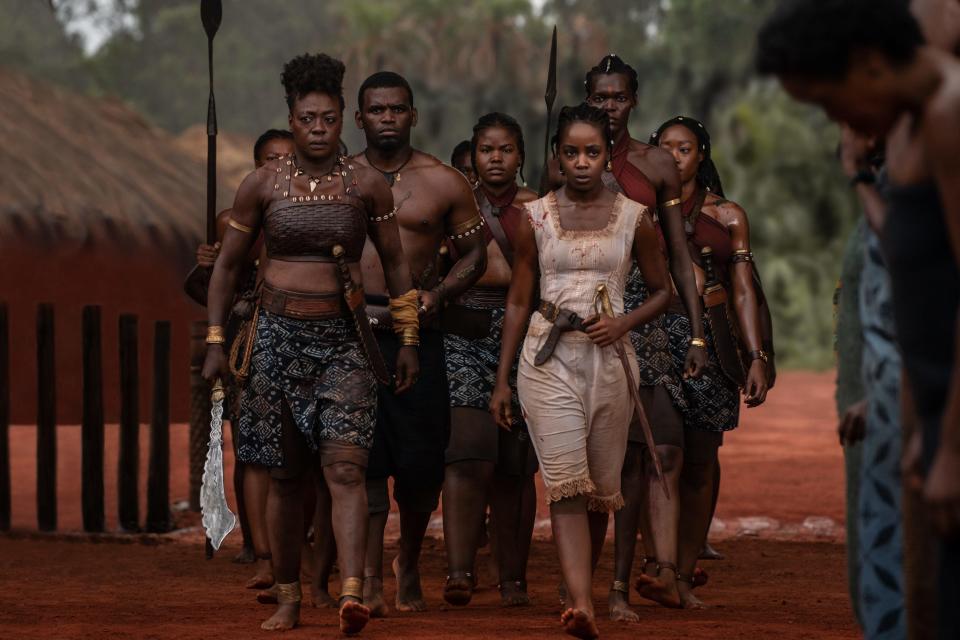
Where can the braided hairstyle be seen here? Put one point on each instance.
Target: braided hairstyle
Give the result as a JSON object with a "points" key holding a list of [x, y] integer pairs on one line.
{"points": [[497, 119], [610, 64], [462, 147], [310, 73], [583, 112], [707, 175]]}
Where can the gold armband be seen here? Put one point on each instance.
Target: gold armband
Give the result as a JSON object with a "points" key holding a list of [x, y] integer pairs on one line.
{"points": [[239, 227], [406, 319], [670, 203], [742, 255], [215, 334], [467, 228]]}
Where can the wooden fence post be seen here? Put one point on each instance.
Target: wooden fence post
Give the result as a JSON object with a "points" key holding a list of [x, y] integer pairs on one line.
{"points": [[129, 463], [158, 474], [91, 427], [46, 421]]}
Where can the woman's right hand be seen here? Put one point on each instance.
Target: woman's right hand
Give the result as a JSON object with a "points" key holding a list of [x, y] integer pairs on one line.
{"points": [[501, 406], [207, 254], [215, 364]]}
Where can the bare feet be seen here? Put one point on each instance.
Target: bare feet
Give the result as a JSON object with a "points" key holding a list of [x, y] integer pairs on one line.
{"points": [[409, 593], [320, 597], [246, 556], [579, 624], [459, 589], [514, 594], [284, 619], [687, 599], [268, 596], [263, 577], [620, 610], [709, 553], [373, 597], [353, 617], [663, 590]]}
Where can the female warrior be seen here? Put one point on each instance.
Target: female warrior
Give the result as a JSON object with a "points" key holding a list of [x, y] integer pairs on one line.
{"points": [[713, 400], [581, 244], [311, 386], [480, 463]]}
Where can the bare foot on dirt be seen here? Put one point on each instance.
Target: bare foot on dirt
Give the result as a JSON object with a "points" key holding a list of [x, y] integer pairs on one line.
{"points": [[663, 590], [373, 597], [514, 594], [579, 624], [320, 597], [687, 599], [285, 618], [354, 616], [709, 553], [458, 590], [409, 593], [246, 556], [263, 578], [267, 596], [620, 610]]}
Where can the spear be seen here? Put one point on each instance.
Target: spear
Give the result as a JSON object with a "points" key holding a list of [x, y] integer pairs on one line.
{"points": [[211, 11], [549, 97]]}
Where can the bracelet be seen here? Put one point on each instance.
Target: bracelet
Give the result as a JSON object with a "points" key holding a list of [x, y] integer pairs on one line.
{"points": [[670, 203], [698, 342], [215, 334], [760, 354], [410, 337]]}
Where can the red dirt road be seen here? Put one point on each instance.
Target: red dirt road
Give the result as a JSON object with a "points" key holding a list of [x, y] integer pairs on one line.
{"points": [[782, 579]]}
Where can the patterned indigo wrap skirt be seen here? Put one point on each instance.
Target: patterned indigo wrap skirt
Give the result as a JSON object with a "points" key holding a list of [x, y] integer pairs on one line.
{"points": [[713, 400], [319, 370], [652, 344]]}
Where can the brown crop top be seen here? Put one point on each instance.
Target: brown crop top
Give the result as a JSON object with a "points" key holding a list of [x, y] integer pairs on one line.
{"points": [[306, 228]]}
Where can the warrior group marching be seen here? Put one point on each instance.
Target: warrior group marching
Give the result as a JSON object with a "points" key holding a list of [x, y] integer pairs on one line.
{"points": [[384, 315]]}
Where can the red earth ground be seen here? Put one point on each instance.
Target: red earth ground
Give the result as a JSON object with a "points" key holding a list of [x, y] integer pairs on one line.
{"points": [[780, 522]]}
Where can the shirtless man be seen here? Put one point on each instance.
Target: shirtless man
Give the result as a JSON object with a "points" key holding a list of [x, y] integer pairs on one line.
{"points": [[433, 202]]}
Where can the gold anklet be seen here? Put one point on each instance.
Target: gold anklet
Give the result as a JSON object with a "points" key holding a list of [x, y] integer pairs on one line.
{"points": [[288, 593], [621, 586], [352, 588]]}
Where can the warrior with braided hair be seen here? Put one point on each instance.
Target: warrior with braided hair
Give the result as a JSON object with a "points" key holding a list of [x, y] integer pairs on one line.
{"points": [[310, 394], [483, 460]]}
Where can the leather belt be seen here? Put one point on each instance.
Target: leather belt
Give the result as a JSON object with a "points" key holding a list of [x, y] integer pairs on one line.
{"points": [[562, 321], [303, 306]]}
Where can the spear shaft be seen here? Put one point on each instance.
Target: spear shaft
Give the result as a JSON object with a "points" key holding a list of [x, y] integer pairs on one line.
{"points": [[549, 97], [211, 12]]}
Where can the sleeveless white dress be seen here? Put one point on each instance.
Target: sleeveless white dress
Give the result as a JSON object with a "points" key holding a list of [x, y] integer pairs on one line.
{"points": [[577, 404]]}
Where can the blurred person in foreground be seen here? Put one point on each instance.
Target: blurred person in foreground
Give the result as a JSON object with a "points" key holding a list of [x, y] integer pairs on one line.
{"points": [[866, 64]]}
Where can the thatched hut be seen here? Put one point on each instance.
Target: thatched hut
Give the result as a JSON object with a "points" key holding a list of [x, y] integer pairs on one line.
{"points": [[96, 207]]}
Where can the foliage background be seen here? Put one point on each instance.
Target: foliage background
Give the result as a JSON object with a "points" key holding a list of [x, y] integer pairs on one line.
{"points": [[464, 59]]}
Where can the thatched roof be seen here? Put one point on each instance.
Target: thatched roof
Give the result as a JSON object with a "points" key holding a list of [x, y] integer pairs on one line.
{"points": [[88, 172]]}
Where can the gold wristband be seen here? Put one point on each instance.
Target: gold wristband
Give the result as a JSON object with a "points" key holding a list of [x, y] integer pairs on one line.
{"points": [[698, 342], [239, 227], [410, 337], [670, 203], [215, 334]]}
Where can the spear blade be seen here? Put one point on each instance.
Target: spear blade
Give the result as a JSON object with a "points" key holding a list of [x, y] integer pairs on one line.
{"points": [[549, 97], [211, 12]]}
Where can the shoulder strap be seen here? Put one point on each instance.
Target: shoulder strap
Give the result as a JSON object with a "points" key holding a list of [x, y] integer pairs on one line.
{"points": [[491, 216], [689, 224], [350, 185], [610, 182]]}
